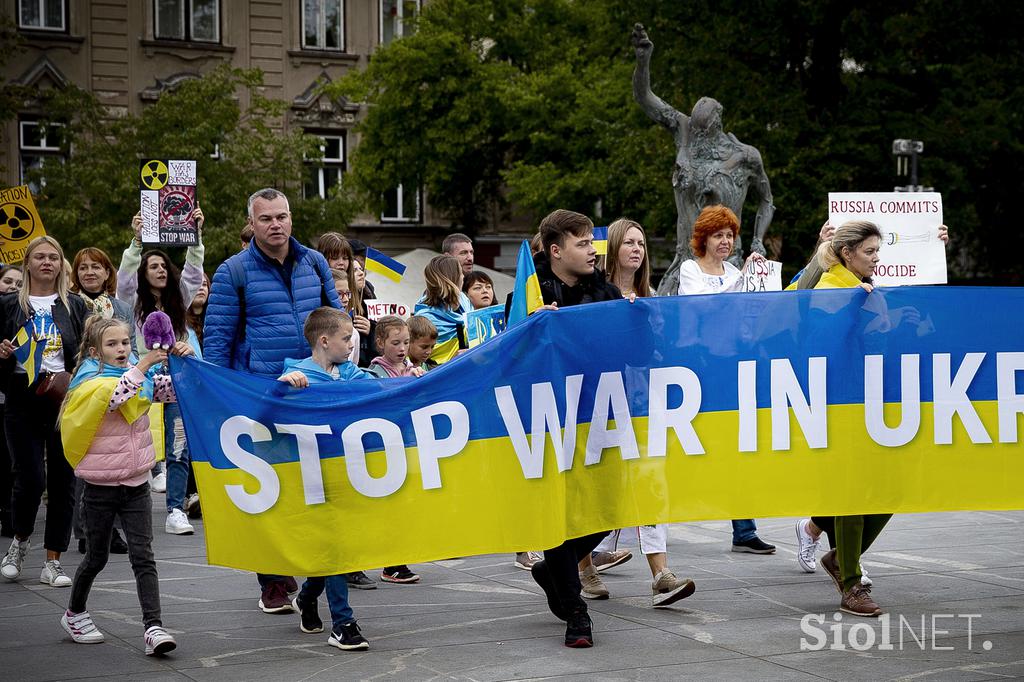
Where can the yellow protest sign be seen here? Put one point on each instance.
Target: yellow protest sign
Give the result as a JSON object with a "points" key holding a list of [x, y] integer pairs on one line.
{"points": [[19, 223]]}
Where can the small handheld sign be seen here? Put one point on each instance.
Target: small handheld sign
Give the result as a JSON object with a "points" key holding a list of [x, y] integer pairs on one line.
{"points": [[19, 223], [167, 194]]}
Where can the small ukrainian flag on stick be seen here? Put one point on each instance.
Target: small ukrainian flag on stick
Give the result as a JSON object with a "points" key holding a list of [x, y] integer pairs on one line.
{"points": [[383, 265], [601, 240], [28, 351], [526, 296]]}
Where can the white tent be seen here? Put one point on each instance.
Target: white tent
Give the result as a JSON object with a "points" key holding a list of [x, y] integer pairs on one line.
{"points": [[409, 290]]}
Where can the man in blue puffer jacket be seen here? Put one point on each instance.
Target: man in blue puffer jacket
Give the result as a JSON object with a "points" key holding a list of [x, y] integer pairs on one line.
{"points": [[261, 296], [258, 303]]}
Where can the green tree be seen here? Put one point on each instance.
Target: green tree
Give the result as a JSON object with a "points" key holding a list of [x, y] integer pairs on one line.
{"points": [[530, 102], [89, 199]]}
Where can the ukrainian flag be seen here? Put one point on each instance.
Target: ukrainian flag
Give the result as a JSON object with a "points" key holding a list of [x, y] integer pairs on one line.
{"points": [[601, 240], [526, 296], [382, 265], [28, 351]]}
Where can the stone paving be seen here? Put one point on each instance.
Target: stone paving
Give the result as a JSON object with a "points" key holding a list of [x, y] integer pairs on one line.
{"points": [[952, 584]]}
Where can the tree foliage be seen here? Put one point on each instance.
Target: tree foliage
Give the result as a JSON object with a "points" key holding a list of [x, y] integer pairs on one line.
{"points": [[89, 199], [530, 101]]}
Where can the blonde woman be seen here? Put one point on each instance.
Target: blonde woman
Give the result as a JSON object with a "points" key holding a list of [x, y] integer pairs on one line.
{"points": [[57, 318]]}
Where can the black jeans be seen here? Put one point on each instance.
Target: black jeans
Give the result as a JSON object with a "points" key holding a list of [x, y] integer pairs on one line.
{"points": [[6, 476], [132, 504], [38, 457], [563, 563]]}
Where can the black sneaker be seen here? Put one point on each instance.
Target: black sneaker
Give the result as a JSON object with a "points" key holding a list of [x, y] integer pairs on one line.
{"points": [[348, 638], [117, 544], [754, 546], [309, 618], [360, 581], [578, 633], [542, 576], [398, 574]]}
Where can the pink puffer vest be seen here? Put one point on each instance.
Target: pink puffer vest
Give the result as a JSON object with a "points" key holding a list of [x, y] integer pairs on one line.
{"points": [[120, 453]]}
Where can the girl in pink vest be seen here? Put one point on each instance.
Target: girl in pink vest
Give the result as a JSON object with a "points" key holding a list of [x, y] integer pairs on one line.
{"points": [[106, 436]]}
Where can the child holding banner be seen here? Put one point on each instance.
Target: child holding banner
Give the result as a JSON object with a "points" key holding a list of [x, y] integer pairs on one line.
{"points": [[422, 339], [392, 338], [329, 334], [106, 437]]}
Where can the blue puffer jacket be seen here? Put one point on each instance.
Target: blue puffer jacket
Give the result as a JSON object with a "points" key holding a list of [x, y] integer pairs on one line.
{"points": [[271, 311]]}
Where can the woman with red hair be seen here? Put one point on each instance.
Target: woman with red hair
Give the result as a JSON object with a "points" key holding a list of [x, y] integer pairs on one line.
{"points": [[709, 272]]}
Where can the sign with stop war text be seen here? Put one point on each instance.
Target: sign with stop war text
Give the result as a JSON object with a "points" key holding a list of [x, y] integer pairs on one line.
{"points": [[912, 252], [655, 408], [19, 223], [167, 196]]}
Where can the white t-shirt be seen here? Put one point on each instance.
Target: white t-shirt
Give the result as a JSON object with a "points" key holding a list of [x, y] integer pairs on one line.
{"points": [[693, 280], [45, 330]]}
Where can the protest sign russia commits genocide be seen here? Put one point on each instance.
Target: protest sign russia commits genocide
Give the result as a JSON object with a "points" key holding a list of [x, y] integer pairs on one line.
{"points": [[707, 407]]}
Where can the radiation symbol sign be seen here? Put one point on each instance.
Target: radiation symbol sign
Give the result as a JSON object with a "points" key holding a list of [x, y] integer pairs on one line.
{"points": [[19, 223], [153, 174]]}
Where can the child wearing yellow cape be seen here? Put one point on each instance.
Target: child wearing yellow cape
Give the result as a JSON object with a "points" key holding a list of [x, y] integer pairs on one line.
{"points": [[105, 430]]}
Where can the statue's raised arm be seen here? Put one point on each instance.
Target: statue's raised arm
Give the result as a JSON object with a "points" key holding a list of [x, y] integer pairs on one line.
{"points": [[658, 110]]}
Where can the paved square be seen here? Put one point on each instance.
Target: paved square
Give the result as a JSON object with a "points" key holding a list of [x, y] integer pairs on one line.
{"points": [[952, 584]]}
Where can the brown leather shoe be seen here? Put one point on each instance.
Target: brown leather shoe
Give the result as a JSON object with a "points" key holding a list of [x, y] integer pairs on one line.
{"points": [[858, 601], [831, 566]]}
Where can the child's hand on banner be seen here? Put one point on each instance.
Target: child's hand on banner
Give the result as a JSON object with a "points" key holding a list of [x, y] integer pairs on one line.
{"points": [[296, 379]]}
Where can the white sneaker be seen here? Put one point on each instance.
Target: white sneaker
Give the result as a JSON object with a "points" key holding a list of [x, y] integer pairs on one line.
{"points": [[159, 484], [81, 628], [177, 523], [158, 641], [10, 567], [864, 579], [53, 574], [807, 549]]}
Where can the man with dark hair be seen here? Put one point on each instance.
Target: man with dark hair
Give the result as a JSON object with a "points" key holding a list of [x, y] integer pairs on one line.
{"points": [[461, 247], [259, 300], [567, 276]]}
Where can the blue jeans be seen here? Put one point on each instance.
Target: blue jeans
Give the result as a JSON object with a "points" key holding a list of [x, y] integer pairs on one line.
{"points": [[742, 529], [177, 456], [337, 597]]}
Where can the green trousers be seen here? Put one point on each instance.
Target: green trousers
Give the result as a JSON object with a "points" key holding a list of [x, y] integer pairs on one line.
{"points": [[854, 534]]}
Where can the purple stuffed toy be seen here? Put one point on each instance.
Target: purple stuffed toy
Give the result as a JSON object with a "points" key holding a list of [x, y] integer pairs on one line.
{"points": [[157, 331]]}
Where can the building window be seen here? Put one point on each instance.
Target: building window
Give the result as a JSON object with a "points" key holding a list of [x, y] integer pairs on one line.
{"points": [[323, 24], [327, 174], [36, 142], [401, 206], [44, 15], [395, 16], [197, 20]]}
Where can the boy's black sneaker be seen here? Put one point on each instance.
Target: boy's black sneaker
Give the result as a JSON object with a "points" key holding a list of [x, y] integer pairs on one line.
{"points": [[348, 638], [754, 545], [360, 581], [542, 576], [578, 633], [309, 617], [398, 574]]}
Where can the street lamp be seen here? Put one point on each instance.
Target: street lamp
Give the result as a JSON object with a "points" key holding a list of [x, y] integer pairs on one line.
{"points": [[906, 153]]}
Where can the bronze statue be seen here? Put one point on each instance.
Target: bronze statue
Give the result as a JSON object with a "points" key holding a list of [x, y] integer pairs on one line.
{"points": [[711, 167]]}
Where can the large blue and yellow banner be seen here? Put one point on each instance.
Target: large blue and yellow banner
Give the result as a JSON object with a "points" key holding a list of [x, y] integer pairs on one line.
{"points": [[616, 414]]}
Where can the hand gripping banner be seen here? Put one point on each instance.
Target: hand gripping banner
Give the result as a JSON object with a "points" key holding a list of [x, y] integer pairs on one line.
{"points": [[616, 414]]}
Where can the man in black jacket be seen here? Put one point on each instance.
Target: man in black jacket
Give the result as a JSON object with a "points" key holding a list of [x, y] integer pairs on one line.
{"points": [[565, 270]]}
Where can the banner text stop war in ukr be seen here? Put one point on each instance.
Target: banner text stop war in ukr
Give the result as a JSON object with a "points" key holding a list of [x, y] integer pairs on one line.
{"points": [[616, 414]]}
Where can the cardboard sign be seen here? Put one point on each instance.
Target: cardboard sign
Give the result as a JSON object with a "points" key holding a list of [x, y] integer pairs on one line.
{"points": [[167, 191], [912, 252], [485, 323], [378, 309], [19, 223], [763, 275]]}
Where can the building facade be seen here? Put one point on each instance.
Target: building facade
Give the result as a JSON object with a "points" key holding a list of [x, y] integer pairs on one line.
{"points": [[128, 52]]}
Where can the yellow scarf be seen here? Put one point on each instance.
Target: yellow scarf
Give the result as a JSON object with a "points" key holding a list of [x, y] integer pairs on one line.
{"points": [[84, 411]]}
